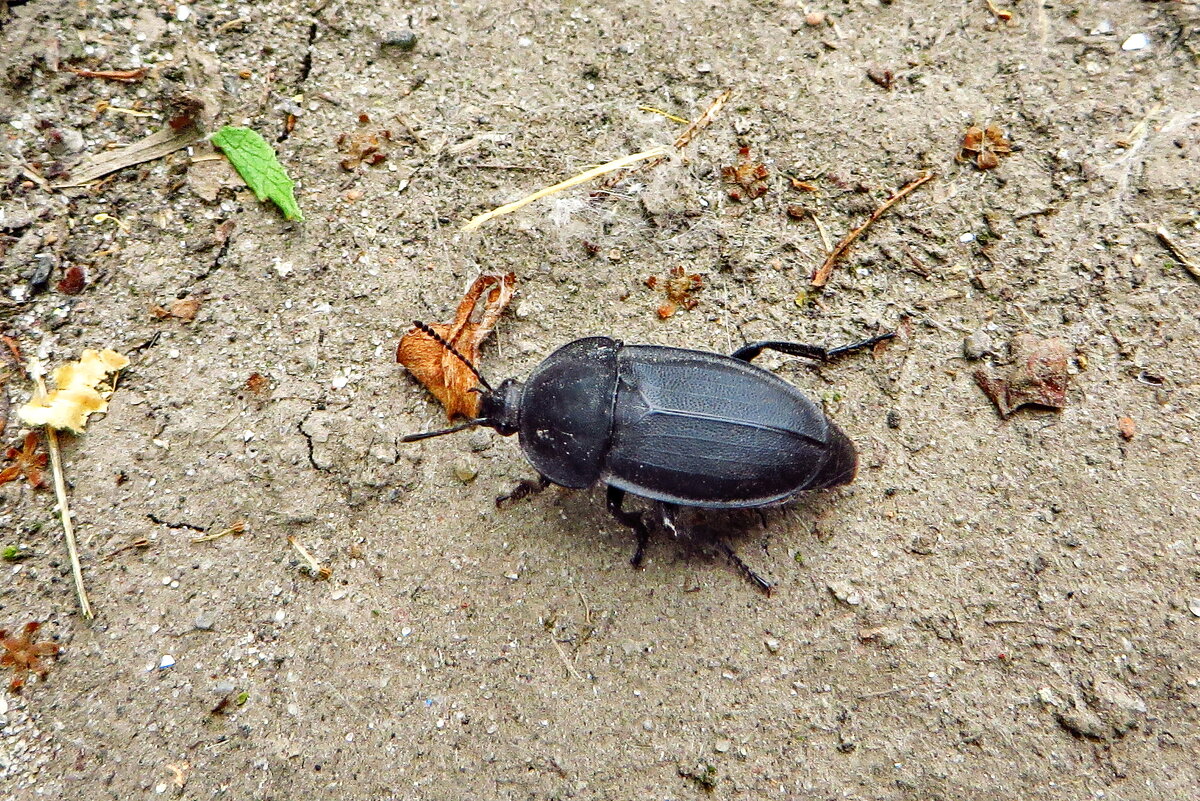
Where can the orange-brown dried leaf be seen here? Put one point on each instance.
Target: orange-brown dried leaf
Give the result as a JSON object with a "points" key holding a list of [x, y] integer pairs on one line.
{"points": [[26, 462], [24, 655], [185, 309], [257, 382], [445, 376], [984, 146]]}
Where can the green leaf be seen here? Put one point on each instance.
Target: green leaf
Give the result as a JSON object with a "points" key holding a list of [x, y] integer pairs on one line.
{"points": [[255, 161]]}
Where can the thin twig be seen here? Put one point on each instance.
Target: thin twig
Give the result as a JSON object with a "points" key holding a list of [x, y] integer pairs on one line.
{"points": [[566, 662], [821, 277], [703, 120], [1174, 249], [582, 178]]}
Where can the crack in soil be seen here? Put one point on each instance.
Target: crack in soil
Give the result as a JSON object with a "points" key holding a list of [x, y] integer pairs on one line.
{"points": [[171, 525]]}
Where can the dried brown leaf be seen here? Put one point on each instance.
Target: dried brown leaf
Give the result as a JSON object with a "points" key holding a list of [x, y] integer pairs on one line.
{"points": [[1037, 376], [445, 376]]}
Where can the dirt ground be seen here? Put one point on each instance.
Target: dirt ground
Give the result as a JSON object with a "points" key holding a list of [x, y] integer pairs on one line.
{"points": [[995, 609]]}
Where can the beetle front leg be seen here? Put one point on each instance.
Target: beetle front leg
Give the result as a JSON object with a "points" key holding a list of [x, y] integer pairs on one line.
{"points": [[524, 489], [632, 520], [748, 352]]}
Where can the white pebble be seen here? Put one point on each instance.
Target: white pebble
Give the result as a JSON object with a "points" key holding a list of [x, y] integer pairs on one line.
{"points": [[1139, 41], [166, 662]]}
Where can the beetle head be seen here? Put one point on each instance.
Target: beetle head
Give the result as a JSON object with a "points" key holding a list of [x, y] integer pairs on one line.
{"points": [[501, 409]]}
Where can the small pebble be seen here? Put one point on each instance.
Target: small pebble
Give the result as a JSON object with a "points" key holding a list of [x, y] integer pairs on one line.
{"points": [[167, 662], [814, 19], [223, 687], [203, 622], [648, 724], [1139, 41], [403, 40], [844, 591], [721, 746], [465, 471], [978, 345], [772, 645], [1194, 606]]}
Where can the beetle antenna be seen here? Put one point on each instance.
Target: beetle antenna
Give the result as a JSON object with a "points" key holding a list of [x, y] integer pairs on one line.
{"points": [[438, 337], [441, 431]]}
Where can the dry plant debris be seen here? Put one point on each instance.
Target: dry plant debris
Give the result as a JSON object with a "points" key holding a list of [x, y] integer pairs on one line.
{"points": [[364, 147], [81, 390], [652, 158], [438, 369], [73, 282], [257, 382], [883, 78], [749, 178], [821, 277], [1126, 428], [24, 655], [124, 76], [185, 309], [237, 529], [678, 287], [311, 566], [1037, 376], [26, 462], [984, 146]]}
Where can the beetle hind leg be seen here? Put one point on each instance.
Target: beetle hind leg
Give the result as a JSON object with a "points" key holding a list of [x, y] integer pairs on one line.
{"points": [[633, 520], [749, 351], [745, 569]]}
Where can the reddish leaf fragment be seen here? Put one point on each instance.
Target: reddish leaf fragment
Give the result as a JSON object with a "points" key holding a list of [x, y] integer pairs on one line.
{"points": [[26, 462], [440, 371], [73, 282], [24, 655], [1037, 376], [749, 178]]}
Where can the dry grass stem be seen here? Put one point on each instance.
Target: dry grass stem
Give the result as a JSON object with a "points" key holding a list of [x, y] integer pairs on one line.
{"points": [[1188, 263], [666, 114], [821, 277], [316, 569], [236, 529], [64, 511], [582, 178]]}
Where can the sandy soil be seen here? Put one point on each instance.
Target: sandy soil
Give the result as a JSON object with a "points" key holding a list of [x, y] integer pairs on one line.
{"points": [[995, 609]]}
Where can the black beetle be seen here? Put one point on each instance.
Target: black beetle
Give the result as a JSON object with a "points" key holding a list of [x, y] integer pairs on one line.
{"points": [[684, 428]]}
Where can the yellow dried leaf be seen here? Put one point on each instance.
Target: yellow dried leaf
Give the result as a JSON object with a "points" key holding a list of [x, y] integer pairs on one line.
{"points": [[80, 391]]}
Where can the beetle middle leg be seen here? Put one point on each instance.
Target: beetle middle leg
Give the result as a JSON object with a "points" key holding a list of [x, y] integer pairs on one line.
{"points": [[524, 489], [633, 520], [749, 351]]}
